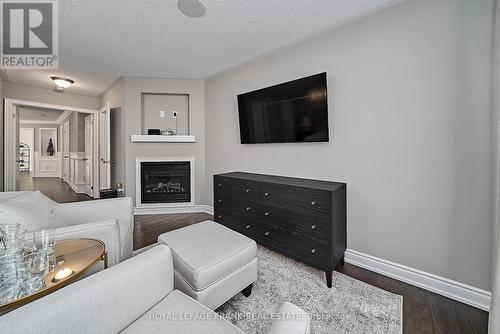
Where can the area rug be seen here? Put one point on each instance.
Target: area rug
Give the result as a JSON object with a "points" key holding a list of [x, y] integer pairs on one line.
{"points": [[350, 306]]}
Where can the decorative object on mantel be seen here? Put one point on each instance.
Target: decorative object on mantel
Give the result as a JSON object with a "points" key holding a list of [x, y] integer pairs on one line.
{"points": [[170, 132], [154, 132], [50, 148]]}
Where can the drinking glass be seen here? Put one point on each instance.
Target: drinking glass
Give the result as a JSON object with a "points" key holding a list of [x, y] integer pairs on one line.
{"points": [[8, 273], [8, 232], [43, 240], [31, 271]]}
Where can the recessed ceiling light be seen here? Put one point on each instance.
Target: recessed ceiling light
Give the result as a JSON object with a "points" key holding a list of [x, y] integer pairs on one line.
{"points": [[62, 82], [191, 8]]}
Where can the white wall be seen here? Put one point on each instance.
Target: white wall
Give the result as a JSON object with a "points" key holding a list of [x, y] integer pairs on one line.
{"points": [[37, 127], [410, 111]]}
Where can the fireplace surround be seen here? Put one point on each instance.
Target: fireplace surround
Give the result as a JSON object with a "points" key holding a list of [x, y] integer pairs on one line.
{"points": [[164, 182]]}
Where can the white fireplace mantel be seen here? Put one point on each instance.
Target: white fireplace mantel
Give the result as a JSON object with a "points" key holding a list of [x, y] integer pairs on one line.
{"points": [[156, 206], [162, 139]]}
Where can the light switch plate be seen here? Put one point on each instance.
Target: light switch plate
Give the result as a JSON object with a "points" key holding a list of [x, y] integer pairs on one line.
{"points": [[162, 113]]}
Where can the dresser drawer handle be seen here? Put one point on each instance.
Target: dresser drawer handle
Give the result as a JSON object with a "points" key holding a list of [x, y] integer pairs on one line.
{"points": [[219, 185], [313, 203], [248, 190], [220, 217], [220, 201], [267, 194], [248, 208], [248, 227], [266, 234], [267, 214], [313, 227], [313, 250]]}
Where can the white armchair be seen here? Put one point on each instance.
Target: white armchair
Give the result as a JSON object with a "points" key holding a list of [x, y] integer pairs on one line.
{"points": [[109, 220]]}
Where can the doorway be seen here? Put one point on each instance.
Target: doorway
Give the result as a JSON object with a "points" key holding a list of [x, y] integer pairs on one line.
{"points": [[65, 150]]}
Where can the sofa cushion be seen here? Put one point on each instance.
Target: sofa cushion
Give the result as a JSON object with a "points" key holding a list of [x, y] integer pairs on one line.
{"points": [[206, 252], [180, 314], [33, 211]]}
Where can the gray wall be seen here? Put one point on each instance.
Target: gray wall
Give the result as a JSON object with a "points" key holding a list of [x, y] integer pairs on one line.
{"points": [[30, 93], [195, 89], [154, 103], [125, 96], [409, 111]]}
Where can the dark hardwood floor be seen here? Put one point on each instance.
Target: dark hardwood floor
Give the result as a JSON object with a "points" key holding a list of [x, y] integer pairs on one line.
{"points": [[52, 187], [423, 311]]}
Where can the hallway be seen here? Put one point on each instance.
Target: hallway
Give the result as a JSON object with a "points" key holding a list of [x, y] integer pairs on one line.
{"points": [[52, 187]]}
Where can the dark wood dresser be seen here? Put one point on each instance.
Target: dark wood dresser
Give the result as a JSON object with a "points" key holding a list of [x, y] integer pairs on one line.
{"points": [[303, 219]]}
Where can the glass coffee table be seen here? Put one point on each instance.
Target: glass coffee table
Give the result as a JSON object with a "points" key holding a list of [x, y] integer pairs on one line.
{"points": [[74, 258]]}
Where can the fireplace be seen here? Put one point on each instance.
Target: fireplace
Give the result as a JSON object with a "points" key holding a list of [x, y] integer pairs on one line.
{"points": [[164, 182]]}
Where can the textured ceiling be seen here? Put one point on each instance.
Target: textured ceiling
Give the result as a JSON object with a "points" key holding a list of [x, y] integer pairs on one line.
{"points": [[38, 114], [101, 40]]}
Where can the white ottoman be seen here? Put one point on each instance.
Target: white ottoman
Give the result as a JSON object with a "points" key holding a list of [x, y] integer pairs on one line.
{"points": [[212, 263]]}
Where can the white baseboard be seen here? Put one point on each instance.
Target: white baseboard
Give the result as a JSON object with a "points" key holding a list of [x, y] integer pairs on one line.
{"points": [[443, 286], [452, 289], [78, 188], [173, 209]]}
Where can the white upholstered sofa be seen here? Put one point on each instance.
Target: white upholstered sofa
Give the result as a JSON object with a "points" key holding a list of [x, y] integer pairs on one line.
{"points": [[109, 220], [135, 296]]}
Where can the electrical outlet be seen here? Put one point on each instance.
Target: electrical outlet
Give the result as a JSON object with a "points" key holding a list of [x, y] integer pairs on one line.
{"points": [[162, 113], [174, 114]]}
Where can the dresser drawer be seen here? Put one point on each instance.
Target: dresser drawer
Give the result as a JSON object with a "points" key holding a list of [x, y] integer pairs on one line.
{"points": [[310, 201], [235, 206], [235, 188], [303, 224], [311, 250], [246, 226]]}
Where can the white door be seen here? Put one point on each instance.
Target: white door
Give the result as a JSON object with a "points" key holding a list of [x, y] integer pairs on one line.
{"points": [[88, 166], [65, 137], [104, 148]]}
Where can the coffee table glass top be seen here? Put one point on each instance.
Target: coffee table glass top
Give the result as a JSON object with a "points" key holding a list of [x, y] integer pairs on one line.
{"points": [[74, 258]]}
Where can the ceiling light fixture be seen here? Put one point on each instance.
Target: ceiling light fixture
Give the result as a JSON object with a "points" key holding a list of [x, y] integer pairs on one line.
{"points": [[61, 83], [192, 8]]}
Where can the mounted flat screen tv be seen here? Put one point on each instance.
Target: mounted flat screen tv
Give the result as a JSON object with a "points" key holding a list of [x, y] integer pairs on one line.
{"points": [[295, 111]]}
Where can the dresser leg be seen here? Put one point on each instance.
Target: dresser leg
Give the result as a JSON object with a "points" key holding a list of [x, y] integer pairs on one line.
{"points": [[329, 278], [247, 291], [342, 262]]}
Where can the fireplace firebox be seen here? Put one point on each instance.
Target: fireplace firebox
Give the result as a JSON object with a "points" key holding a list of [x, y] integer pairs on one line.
{"points": [[165, 182]]}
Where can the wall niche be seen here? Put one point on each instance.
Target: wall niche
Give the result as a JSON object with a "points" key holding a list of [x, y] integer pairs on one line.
{"points": [[158, 113]]}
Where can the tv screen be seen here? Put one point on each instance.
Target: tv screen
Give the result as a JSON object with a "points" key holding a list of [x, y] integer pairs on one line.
{"points": [[295, 111]]}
